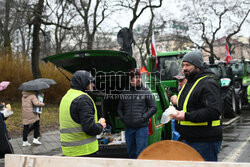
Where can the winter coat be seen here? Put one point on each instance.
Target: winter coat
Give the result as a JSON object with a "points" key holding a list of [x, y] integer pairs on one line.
{"points": [[136, 106], [204, 105], [29, 100], [5, 145], [82, 109]]}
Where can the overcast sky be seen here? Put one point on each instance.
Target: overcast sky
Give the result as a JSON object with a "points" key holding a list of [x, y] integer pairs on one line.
{"points": [[169, 6]]}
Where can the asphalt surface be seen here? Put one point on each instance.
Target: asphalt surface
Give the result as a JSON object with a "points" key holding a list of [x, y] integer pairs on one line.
{"points": [[235, 145], [236, 139], [50, 146]]}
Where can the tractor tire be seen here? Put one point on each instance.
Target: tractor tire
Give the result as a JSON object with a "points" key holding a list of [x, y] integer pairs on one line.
{"points": [[229, 102]]}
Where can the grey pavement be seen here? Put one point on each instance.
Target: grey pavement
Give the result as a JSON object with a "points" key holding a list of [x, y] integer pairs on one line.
{"points": [[50, 145]]}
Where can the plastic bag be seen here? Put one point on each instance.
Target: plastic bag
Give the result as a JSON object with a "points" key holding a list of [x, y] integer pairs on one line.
{"points": [[6, 113], [39, 109], [165, 118]]}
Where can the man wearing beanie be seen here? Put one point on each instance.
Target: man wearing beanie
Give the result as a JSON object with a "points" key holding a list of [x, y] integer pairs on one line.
{"points": [[135, 107], [199, 108]]}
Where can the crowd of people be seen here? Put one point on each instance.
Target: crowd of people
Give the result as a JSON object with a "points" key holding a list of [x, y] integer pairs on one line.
{"points": [[198, 108]]}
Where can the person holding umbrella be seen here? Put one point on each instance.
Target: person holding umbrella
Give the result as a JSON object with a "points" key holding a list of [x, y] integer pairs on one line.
{"points": [[40, 97], [30, 118]]}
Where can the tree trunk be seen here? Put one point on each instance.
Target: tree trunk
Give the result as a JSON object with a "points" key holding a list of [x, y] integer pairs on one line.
{"points": [[36, 42], [7, 45], [90, 42]]}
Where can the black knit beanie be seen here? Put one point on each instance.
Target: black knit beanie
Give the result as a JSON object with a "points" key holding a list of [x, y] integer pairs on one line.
{"points": [[195, 58]]}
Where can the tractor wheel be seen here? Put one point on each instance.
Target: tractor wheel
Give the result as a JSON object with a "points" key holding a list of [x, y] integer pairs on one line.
{"points": [[229, 102]]}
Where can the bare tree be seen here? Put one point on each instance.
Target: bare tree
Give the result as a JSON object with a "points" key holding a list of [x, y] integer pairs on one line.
{"points": [[64, 17], [211, 19], [104, 40], [138, 7], [36, 17], [37, 21], [79, 37], [93, 13], [234, 31], [24, 27], [8, 23], [141, 34]]}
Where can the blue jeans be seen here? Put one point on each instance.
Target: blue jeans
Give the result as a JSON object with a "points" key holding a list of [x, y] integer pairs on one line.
{"points": [[207, 150], [136, 141], [175, 135]]}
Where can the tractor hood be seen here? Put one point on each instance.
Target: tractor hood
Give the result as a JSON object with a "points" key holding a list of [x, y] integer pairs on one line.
{"points": [[93, 60]]}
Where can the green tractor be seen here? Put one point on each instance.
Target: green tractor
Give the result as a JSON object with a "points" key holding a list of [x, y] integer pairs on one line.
{"points": [[229, 91], [234, 80], [169, 65], [162, 76], [246, 82], [240, 75]]}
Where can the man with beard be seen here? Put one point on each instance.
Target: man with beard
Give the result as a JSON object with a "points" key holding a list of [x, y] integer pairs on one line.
{"points": [[199, 108]]}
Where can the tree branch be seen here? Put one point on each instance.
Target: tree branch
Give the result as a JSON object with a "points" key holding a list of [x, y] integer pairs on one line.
{"points": [[56, 24]]}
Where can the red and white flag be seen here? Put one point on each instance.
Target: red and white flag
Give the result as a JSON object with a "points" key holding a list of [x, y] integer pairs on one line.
{"points": [[228, 55], [154, 53]]}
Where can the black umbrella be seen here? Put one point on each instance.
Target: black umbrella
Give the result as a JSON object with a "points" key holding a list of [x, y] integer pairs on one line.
{"points": [[33, 86], [46, 80]]}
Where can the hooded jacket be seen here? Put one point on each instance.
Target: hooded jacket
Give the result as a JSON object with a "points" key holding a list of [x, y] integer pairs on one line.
{"points": [[29, 100], [5, 145], [82, 110], [136, 106], [204, 105]]}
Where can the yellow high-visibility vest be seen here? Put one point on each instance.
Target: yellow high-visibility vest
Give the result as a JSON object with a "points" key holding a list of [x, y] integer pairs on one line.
{"points": [[74, 141], [189, 123]]}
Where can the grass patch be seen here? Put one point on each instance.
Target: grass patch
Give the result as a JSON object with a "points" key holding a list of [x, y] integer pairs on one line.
{"points": [[16, 68], [49, 120]]}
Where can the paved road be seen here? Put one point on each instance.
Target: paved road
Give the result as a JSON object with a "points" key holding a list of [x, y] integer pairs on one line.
{"points": [[50, 141], [236, 139], [50, 146], [235, 145]]}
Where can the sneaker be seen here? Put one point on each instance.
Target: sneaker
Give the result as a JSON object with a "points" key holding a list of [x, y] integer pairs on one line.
{"points": [[36, 141], [26, 143]]}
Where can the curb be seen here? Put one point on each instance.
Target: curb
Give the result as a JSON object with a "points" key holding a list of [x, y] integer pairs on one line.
{"points": [[230, 121]]}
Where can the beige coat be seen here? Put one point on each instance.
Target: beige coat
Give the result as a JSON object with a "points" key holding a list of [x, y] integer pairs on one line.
{"points": [[28, 100]]}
